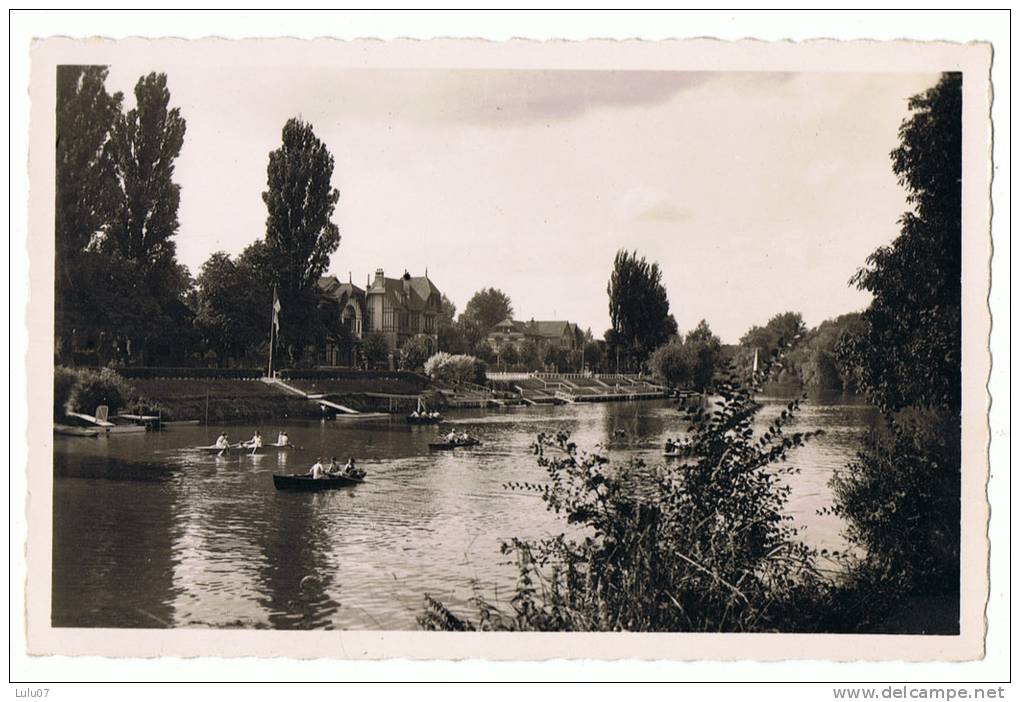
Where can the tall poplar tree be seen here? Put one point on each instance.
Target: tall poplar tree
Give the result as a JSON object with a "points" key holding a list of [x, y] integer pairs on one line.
{"points": [[300, 233], [147, 141]]}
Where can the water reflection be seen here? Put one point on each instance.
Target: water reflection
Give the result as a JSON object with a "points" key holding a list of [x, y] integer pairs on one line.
{"points": [[149, 533]]}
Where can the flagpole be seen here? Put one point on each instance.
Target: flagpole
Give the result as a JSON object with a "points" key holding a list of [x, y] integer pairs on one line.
{"points": [[272, 324]]}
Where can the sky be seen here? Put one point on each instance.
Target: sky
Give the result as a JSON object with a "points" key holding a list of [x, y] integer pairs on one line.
{"points": [[756, 193]]}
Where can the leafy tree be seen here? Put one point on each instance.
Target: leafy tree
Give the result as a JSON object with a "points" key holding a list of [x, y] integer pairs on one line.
{"points": [[638, 307], [592, 354], [227, 315], [705, 545], [908, 351], [86, 181], [669, 364], [447, 311], [530, 355], [146, 142], [901, 498], [415, 352], [487, 308], [300, 233], [375, 349], [690, 362], [508, 354], [449, 336]]}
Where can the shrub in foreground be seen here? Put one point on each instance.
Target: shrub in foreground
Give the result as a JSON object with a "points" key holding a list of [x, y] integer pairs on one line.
{"points": [[704, 544]]}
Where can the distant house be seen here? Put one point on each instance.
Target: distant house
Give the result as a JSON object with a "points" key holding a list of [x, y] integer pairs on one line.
{"points": [[398, 308], [559, 334]]}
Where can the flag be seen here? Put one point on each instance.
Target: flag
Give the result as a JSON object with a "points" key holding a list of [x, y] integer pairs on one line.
{"points": [[276, 312]]}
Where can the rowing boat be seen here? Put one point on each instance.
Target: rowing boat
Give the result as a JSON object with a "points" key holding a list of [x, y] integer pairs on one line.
{"points": [[671, 454], [423, 420], [245, 447], [448, 445], [307, 482]]}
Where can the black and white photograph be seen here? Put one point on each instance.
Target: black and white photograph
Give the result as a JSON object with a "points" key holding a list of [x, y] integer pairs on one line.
{"points": [[344, 344]]}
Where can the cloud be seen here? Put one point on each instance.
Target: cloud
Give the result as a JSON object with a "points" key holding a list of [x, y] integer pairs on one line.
{"points": [[488, 98], [663, 211]]}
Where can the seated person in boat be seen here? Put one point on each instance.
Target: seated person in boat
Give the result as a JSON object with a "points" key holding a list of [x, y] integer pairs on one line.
{"points": [[414, 414], [222, 442], [255, 441], [464, 437], [352, 471], [317, 471], [333, 468], [282, 439], [670, 446], [451, 438]]}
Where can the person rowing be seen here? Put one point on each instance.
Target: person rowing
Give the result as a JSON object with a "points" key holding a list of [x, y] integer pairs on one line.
{"points": [[317, 471], [451, 438], [333, 468], [222, 443], [255, 442], [352, 471], [670, 446]]}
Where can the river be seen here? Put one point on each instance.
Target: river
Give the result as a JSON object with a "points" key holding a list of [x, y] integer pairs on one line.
{"points": [[148, 533]]}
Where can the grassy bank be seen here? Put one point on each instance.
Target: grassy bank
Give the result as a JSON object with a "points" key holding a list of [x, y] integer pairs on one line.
{"points": [[218, 400]]}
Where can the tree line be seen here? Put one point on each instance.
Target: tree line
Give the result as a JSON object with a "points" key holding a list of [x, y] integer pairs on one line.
{"points": [[121, 294]]}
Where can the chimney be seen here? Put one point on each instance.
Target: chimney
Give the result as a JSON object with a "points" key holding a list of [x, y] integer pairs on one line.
{"points": [[407, 283], [379, 282]]}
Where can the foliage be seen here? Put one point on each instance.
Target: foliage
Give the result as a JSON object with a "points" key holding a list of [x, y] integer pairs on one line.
{"points": [[529, 354], [508, 355], [705, 545], [901, 498], [103, 387], [226, 315], [415, 352], [300, 233], [908, 351], [901, 503], [814, 360], [146, 142], [593, 354], [375, 349], [487, 308], [64, 380], [86, 180], [638, 308], [689, 362], [120, 294], [459, 368]]}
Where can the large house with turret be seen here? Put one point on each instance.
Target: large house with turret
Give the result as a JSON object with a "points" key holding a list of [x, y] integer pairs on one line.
{"points": [[397, 308]]}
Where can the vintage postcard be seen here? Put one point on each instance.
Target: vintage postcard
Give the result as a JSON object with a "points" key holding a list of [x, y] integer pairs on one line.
{"points": [[524, 350]]}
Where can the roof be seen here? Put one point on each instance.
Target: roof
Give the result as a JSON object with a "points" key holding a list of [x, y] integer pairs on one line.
{"points": [[420, 291], [550, 329], [331, 286]]}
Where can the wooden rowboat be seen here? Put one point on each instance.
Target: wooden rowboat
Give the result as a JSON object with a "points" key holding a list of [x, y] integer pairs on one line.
{"points": [[449, 445], [424, 420], [245, 448], [306, 482]]}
